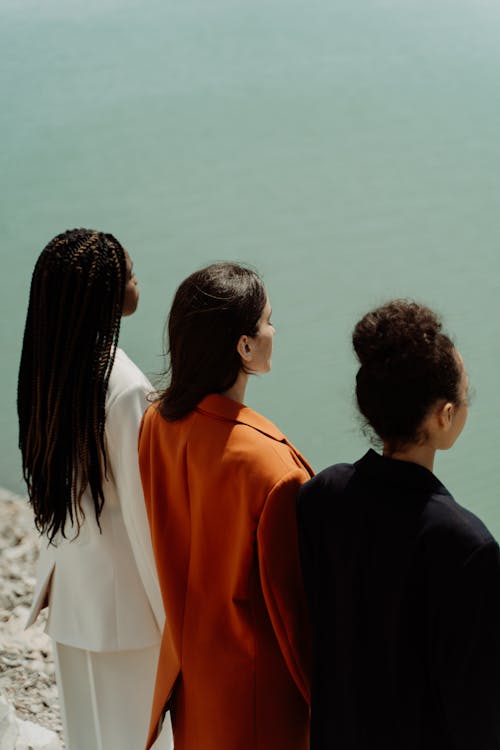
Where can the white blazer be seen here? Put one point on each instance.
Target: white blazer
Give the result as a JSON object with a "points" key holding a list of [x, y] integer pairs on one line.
{"points": [[102, 588]]}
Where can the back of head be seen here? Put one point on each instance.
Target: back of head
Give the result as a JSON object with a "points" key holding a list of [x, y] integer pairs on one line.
{"points": [[407, 365], [212, 308], [71, 332]]}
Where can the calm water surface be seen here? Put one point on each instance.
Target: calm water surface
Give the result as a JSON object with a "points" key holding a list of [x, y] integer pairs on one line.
{"points": [[349, 150]]}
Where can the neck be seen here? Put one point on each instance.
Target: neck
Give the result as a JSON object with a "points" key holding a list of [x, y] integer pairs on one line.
{"points": [[237, 390], [415, 454]]}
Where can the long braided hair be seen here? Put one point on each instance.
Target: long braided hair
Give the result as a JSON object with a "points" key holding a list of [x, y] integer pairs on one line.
{"points": [[70, 338]]}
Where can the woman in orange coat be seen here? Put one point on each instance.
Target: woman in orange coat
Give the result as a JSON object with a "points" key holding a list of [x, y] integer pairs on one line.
{"points": [[220, 483]]}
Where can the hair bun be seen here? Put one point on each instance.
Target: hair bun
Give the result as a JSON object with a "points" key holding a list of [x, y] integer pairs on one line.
{"points": [[395, 330], [407, 364], [367, 341]]}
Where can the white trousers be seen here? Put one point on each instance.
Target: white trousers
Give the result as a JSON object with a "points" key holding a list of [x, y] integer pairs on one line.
{"points": [[164, 739], [105, 696]]}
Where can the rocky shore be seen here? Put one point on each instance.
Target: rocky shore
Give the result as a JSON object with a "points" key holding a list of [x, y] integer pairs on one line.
{"points": [[27, 682]]}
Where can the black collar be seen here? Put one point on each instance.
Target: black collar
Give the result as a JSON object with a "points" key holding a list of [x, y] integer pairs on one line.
{"points": [[392, 471]]}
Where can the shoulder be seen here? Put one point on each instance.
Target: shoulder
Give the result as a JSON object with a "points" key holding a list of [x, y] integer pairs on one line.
{"points": [[458, 549], [447, 524], [154, 422], [158, 434], [126, 377], [327, 483], [249, 454], [243, 439], [264, 456]]}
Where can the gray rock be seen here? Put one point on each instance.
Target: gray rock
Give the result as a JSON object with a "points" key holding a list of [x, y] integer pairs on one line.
{"points": [[8, 726], [27, 675], [33, 737]]}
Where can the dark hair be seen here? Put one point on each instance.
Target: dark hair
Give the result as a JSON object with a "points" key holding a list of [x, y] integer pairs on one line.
{"points": [[212, 308], [71, 333], [407, 365]]}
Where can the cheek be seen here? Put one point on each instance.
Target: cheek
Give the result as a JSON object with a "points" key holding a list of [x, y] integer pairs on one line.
{"points": [[131, 299], [465, 417], [462, 420]]}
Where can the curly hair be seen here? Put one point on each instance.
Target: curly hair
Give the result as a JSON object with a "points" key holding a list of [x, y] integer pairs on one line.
{"points": [[212, 308], [407, 364], [70, 339]]}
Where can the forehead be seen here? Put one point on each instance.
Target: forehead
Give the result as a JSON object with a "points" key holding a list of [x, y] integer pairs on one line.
{"points": [[128, 264], [267, 307], [463, 371]]}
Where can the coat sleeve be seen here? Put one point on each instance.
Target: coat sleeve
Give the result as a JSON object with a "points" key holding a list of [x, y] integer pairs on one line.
{"points": [[467, 652], [281, 578], [123, 419]]}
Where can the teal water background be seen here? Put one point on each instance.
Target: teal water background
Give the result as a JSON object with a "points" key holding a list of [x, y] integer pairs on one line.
{"points": [[350, 150]]}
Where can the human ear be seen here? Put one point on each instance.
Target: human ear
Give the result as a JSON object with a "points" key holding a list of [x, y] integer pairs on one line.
{"points": [[244, 348], [445, 414]]}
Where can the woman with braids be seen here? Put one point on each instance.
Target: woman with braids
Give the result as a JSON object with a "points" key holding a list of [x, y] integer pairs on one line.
{"points": [[80, 402], [403, 583], [220, 483]]}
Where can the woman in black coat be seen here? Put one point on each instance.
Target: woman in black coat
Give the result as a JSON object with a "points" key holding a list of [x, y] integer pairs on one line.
{"points": [[403, 583]]}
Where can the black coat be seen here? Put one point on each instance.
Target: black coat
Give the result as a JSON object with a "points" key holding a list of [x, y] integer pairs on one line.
{"points": [[404, 589]]}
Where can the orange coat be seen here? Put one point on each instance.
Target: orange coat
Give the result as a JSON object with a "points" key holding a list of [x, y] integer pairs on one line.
{"points": [[220, 488]]}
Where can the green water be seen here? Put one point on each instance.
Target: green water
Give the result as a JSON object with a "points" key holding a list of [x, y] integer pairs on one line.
{"points": [[348, 149]]}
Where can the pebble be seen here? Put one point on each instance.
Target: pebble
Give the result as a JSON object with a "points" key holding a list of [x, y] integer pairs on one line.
{"points": [[29, 707]]}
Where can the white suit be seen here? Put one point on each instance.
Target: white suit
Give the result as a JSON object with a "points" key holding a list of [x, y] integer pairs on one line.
{"points": [[105, 608]]}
